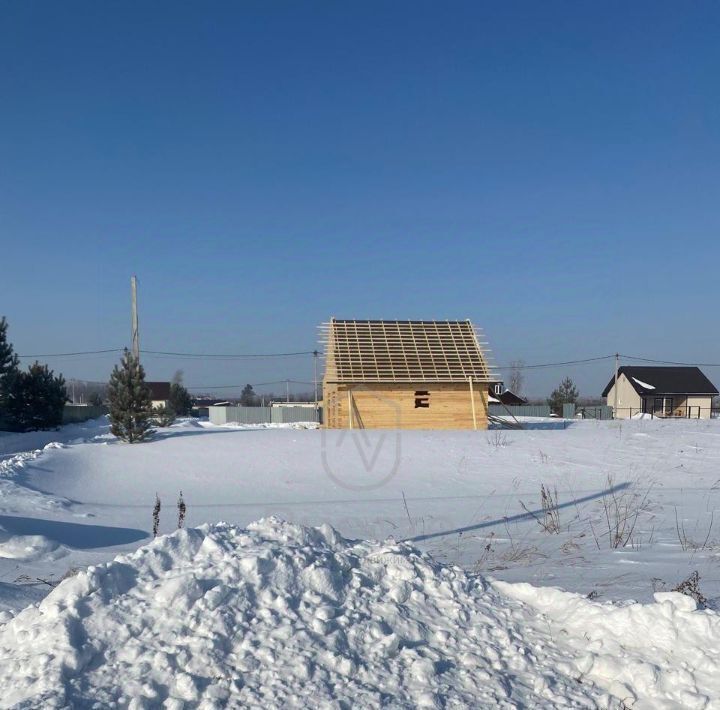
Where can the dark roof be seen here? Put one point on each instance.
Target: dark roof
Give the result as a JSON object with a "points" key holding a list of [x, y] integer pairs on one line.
{"points": [[159, 390], [506, 397], [510, 398], [665, 380]]}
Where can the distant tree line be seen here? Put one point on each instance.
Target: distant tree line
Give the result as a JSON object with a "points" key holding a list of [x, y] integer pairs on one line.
{"points": [[30, 399]]}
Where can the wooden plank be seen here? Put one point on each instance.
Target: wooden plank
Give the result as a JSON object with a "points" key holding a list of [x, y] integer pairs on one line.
{"points": [[388, 406]]}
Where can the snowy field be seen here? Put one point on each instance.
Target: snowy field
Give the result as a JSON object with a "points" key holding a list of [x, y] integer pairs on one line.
{"points": [[437, 611]]}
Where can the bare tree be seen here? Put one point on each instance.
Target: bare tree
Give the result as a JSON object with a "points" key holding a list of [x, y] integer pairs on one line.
{"points": [[516, 378]]}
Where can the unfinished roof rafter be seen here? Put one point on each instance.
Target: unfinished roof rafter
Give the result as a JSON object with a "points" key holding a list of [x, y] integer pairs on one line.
{"points": [[404, 351]]}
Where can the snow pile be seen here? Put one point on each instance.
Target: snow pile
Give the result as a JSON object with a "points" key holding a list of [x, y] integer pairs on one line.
{"points": [[278, 615], [13, 465], [662, 655], [29, 547]]}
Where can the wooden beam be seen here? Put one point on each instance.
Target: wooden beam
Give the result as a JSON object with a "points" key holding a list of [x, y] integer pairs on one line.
{"points": [[472, 402]]}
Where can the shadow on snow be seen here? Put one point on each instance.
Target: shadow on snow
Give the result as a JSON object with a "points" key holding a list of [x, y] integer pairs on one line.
{"points": [[77, 535], [520, 516]]}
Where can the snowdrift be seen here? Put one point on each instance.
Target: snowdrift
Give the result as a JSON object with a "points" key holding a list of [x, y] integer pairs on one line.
{"points": [[279, 615]]}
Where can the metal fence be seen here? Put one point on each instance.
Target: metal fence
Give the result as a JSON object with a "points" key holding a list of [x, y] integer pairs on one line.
{"points": [[75, 413], [593, 411], [522, 410], [685, 412], [263, 415], [292, 415]]}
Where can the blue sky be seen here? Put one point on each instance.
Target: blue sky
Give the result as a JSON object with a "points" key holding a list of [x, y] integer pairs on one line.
{"points": [[549, 170]]}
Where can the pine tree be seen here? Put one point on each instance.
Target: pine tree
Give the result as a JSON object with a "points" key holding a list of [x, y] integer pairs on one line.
{"points": [[8, 360], [565, 393], [180, 400], [8, 370], [248, 398], [163, 416], [34, 399], [130, 401]]}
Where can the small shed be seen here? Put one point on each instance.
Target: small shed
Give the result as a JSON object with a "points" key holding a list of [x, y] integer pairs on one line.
{"points": [[405, 374]]}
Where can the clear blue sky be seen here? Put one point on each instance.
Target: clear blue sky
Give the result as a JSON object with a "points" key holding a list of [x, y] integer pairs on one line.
{"points": [[549, 170]]}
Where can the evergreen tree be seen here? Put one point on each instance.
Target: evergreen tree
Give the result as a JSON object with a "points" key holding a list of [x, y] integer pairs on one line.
{"points": [[8, 360], [8, 369], [565, 393], [248, 398], [130, 400], [34, 399], [180, 400], [163, 416]]}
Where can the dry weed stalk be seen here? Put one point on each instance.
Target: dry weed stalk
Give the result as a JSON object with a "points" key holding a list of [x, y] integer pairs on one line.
{"points": [[550, 521]]}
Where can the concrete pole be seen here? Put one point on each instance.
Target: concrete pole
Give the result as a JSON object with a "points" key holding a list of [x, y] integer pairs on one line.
{"points": [[615, 388], [315, 378], [135, 327]]}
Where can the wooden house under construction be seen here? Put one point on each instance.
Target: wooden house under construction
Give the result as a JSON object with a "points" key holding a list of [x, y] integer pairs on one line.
{"points": [[403, 374]]}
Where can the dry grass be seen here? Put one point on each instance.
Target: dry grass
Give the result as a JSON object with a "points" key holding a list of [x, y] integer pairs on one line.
{"points": [[550, 520], [621, 510]]}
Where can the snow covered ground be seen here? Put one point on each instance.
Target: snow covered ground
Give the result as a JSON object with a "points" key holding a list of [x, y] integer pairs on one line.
{"points": [[375, 622]]}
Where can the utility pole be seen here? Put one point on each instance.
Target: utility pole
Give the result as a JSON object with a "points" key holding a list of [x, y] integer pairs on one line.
{"points": [[315, 358], [287, 390], [615, 388], [135, 327]]}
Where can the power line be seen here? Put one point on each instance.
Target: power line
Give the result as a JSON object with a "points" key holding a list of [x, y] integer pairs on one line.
{"points": [[85, 352], [253, 384], [175, 354], [240, 356], [246, 356], [553, 364], [672, 362]]}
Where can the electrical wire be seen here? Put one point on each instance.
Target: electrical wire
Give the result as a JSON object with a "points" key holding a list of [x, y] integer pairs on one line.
{"points": [[255, 384], [242, 356], [672, 362], [228, 356], [552, 364], [177, 354], [84, 352]]}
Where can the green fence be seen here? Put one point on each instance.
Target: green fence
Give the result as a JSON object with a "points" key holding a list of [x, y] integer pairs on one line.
{"points": [[263, 415], [523, 410], [74, 413]]}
